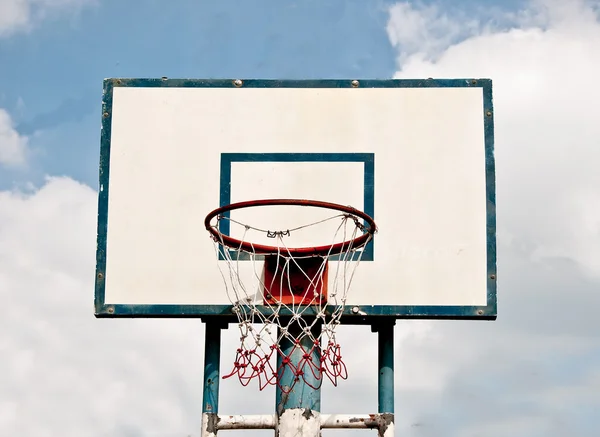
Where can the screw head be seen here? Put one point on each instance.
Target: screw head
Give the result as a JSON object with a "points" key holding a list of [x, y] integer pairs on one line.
{"points": [[100, 275], [474, 82], [110, 310], [238, 83], [355, 310], [488, 113], [355, 83], [106, 114], [492, 276], [480, 312]]}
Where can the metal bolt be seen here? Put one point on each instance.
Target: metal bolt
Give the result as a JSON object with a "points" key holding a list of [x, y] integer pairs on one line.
{"points": [[118, 81], [238, 83], [355, 83], [268, 296], [106, 114], [492, 276], [489, 113], [480, 312], [473, 82], [111, 310], [164, 78], [355, 310], [100, 275]]}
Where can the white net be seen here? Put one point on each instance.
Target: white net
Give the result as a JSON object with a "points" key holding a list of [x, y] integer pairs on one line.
{"points": [[284, 296]]}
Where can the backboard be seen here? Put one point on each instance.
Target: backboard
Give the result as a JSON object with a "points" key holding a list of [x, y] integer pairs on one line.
{"points": [[416, 155]]}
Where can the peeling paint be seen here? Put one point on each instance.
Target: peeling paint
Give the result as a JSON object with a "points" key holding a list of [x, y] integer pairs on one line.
{"points": [[307, 413], [295, 422], [386, 427], [209, 424]]}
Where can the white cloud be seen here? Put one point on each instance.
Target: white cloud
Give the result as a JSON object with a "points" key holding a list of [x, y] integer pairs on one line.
{"points": [[13, 146], [425, 30], [23, 15]]}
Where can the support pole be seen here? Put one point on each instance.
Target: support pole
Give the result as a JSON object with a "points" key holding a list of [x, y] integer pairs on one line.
{"points": [[385, 343], [297, 404], [210, 395]]}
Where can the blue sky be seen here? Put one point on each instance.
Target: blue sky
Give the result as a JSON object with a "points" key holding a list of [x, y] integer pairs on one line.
{"points": [[533, 372]]}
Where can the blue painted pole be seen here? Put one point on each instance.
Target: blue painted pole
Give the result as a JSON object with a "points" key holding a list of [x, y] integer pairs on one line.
{"points": [[293, 392], [385, 337], [212, 356]]}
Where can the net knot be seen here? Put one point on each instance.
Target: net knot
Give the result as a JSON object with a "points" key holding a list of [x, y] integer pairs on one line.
{"points": [[275, 234]]}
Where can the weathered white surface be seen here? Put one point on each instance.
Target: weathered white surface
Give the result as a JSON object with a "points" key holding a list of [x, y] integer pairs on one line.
{"points": [[389, 432], [297, 422], [247, 421], [297, 419], [345, 421], [205, 427], [430, 204]]}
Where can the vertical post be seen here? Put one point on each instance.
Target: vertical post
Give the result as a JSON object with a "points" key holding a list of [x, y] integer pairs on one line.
{"points": [[385, 343], [297, 404], [210, 395]]}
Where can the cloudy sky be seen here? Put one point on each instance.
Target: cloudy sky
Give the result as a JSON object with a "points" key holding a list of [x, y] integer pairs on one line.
{"points": [[533, 372]]}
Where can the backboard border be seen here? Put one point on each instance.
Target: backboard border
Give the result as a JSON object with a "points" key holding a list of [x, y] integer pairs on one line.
{"points": [[365, 158], [223, 312]]}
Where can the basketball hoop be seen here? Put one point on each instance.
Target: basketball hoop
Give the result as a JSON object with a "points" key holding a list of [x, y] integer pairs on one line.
{"points": [[295, 296]]}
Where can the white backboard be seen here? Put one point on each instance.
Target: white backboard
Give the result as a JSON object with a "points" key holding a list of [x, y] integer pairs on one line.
{"points": [[417, 155]]}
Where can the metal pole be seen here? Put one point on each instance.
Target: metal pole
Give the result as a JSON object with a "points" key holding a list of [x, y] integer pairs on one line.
{"points": [[210, 395], [385, 343], [298, 403]]}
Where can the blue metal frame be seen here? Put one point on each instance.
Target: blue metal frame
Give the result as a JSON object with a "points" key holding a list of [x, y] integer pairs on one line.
{"points": [[487, 312], [212, 360], [385, 363], [368, 160]]}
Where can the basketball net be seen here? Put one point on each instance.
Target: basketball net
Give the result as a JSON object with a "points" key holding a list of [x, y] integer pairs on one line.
{"points": [[280, 290]]}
